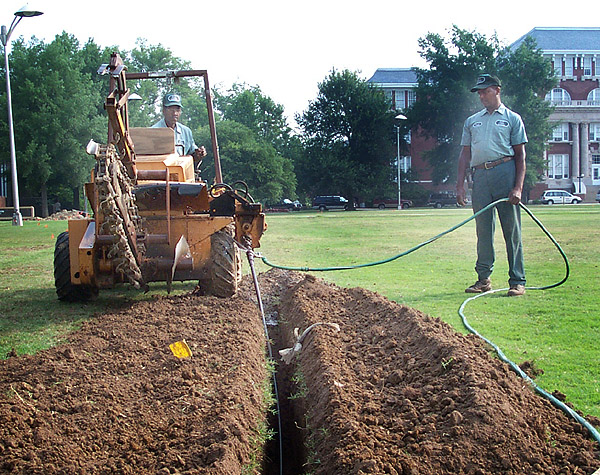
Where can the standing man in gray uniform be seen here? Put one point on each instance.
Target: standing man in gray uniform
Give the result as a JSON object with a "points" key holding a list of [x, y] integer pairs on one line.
{"points": [[493, 147], [184, 141]]}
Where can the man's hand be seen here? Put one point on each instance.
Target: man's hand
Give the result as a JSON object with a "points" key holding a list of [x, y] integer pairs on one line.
{"points": [[514, 197], [199, 153], [461, 196]]}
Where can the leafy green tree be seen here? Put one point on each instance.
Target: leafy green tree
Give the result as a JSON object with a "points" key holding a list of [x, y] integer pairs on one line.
{"points": [[526, 66], [443, 97], [248, 158], [55, 114], [348, 135], [250, 107]]}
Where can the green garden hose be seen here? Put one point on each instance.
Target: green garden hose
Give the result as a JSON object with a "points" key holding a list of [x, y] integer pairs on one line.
{"points": [[557, 403]]}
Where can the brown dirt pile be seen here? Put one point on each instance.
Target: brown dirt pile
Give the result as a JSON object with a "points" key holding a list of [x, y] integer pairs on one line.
{"points": [[398, 392], [395, 391], [116, 400]]}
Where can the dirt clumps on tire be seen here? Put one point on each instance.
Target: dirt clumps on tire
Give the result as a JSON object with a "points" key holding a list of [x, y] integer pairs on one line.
{"points": [[226, 263]]}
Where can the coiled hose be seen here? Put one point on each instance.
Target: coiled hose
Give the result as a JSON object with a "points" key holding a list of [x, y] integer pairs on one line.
{"points": [[553, 400]]}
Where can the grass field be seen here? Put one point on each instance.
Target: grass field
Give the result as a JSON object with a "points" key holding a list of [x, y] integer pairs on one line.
{"points": [[558, 330]]}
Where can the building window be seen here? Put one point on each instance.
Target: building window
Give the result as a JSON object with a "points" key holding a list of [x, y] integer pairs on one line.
{"points": [[559, 97], [593, 97], [587, 65], [558, 166], [596, 169], [594, 132], [405, 164], [569, 67], [412, 97], [560, 133], [558, 67], [400, 102]]}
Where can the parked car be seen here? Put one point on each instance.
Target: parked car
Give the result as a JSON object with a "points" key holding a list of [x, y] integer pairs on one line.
{"points": [[551, 197], [286, 205], [598, 197], [444, 198], [390, 203], [323, 203]]}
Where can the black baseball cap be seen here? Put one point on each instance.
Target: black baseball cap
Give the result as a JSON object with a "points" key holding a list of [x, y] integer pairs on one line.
{"points": [[485, 80], [172, 100]]}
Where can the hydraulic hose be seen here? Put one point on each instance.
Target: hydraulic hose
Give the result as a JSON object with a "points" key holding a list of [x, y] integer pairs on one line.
{"points": [[557, 403]]}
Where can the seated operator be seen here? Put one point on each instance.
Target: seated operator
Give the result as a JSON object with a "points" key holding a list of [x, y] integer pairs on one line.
{"points": [[184, 141]]}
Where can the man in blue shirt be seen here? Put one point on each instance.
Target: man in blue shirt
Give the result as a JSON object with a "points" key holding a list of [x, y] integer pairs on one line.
{"points": [[493, 147], [184, 140]]}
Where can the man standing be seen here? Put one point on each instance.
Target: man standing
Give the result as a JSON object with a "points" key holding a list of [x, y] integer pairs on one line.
{"points": [[184, 140], [493, 146]]}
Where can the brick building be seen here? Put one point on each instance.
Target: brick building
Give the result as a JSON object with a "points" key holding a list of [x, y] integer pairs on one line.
{"points": [[573, 153]]}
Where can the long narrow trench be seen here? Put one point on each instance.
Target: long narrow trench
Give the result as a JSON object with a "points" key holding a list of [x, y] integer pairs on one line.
{"points": [[292, 457]]}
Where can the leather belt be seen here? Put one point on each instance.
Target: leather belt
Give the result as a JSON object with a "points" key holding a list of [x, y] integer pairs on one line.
{"points": [[492, 164]]}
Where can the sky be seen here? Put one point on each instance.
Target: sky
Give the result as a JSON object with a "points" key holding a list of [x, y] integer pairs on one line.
{"points": [[286, 48]]}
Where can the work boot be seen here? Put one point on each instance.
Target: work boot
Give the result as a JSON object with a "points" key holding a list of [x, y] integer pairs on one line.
{"points": [[515, 290], [482, 285]]}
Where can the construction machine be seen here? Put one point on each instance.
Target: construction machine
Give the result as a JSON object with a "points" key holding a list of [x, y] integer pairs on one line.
{"points": [[154, 219]]}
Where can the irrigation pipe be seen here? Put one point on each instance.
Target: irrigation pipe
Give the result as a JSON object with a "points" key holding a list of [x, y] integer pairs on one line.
{"points": [[557, 403]]}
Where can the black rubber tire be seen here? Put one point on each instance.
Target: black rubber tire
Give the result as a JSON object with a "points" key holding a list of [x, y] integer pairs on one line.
{"points": [[381, 206], [438, 205], [405, 206], [226, 263], [66, 290], [322, 208]]}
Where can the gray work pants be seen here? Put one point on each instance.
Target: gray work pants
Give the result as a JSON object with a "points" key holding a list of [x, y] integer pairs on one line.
{"points": [[489, 186]]}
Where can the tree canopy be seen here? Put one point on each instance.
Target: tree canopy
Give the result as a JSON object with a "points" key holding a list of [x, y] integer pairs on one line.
{"points": [[444, 99], [348, 138]]}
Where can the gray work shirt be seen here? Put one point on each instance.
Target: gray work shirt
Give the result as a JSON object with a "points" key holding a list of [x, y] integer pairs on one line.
{"points": [[184, 140], [492, 136]]}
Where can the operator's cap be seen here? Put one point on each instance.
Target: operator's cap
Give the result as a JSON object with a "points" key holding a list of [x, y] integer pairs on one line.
{"points": [[172, 100], [485, 80]]}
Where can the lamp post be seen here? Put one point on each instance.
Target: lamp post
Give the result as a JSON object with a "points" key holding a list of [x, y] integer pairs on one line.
{"points": [[5, 37], [399, 117]]}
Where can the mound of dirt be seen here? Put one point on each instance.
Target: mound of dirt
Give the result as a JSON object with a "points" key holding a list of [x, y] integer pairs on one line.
{"points": [[116, 400], [394, 391], [398, 392]]}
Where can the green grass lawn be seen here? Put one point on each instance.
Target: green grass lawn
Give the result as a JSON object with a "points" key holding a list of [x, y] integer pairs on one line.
{"points": [[558, 330]]}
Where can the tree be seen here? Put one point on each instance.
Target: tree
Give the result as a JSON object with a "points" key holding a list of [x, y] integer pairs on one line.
{"points": [[527, 66], [443, 97], [444, 101], [348, 135], [247, 105], [246, 157], [55, 113]]}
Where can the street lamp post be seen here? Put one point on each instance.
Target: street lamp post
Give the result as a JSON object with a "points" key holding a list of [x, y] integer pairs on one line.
{"points": [[399, 117], [5, 37]]}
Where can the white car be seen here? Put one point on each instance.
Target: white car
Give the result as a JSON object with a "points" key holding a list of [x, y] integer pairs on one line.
{"points": [[551, 197]]}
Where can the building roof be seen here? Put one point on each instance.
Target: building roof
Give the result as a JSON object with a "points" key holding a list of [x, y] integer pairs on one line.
{"points": [[564, 39], [394, 76]]}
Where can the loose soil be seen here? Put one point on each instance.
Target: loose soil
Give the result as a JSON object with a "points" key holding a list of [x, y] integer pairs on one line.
{"points": [[394, 391]]}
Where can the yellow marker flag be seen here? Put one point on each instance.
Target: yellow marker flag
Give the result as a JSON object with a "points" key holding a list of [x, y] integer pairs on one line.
{"points": [[181, 349]]}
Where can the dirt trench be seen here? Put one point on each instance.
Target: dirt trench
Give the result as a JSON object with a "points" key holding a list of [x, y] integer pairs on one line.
{"points": [[394, 391]]}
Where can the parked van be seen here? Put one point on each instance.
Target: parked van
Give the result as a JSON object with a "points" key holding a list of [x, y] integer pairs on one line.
{"points": [[323, 203]]}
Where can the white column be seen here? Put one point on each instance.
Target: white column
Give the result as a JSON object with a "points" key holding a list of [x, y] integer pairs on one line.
{"points": [[575, 150], [585, 127]]}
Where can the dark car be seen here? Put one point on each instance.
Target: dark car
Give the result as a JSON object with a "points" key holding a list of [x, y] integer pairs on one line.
{"points": [[286, 205], [439, 200], [390, 203], [323, 203]]}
